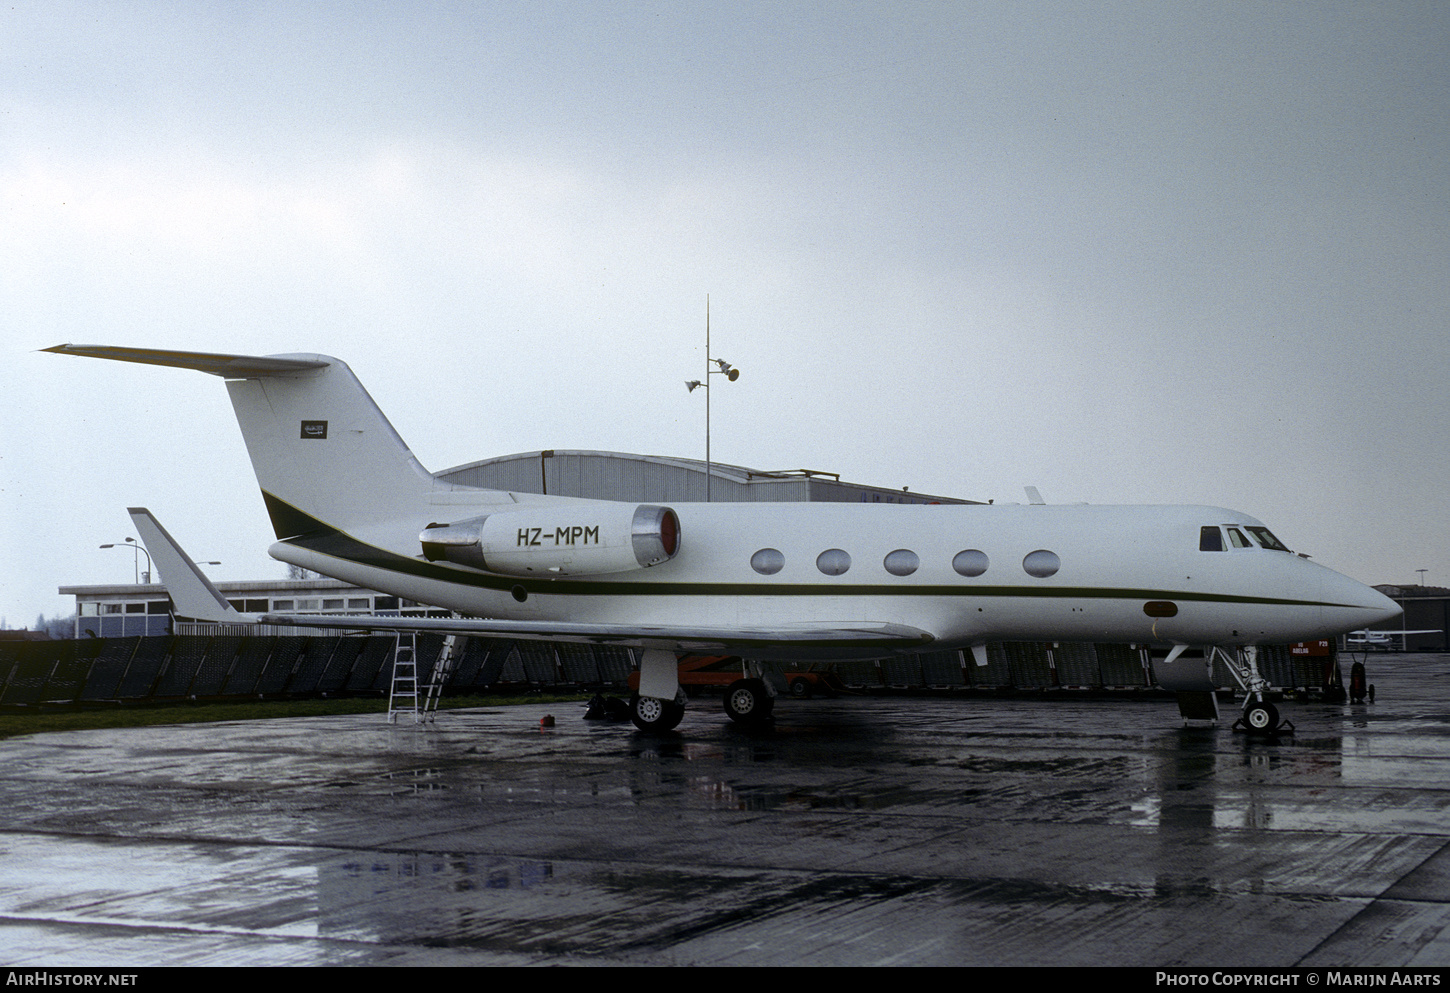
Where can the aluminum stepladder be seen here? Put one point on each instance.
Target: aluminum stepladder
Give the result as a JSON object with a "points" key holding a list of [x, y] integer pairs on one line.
{"points": [[447, 660], [403, 697]]}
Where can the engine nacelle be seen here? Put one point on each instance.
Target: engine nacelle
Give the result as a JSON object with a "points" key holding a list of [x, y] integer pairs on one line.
{"points": [[584, 539]]}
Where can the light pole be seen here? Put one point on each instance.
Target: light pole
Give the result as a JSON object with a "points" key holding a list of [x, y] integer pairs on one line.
{"points": [[725, 369], [135, 547], [1422, 575]]}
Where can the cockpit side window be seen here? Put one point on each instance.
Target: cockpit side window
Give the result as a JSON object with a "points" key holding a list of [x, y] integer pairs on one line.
{"points": [[1236, 537], [1266, 538], [1210, 539]]}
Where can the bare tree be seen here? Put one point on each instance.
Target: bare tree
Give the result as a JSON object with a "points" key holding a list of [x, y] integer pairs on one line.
{"points": [[56, 627]]}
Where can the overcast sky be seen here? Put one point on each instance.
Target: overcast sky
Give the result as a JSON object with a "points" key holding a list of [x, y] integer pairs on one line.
{"points": [[1124, 252]]}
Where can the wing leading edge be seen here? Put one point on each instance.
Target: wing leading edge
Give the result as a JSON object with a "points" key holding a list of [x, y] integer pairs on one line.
{"points": [[863, 640], [215, 363]]}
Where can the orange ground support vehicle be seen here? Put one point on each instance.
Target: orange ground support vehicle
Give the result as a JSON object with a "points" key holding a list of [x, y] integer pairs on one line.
{"points": [[720, 671]]}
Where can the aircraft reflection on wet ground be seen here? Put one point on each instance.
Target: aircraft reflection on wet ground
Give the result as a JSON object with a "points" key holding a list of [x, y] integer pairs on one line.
{"points": [[856, 831]]}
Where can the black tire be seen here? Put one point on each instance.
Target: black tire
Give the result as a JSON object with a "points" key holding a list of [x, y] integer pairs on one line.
{"points": [[1261, 717], [652, 714], [801, 689], [747, 701]]}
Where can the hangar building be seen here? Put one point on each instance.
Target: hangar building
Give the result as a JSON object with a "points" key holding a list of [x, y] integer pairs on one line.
{"points": [[631, 478]]}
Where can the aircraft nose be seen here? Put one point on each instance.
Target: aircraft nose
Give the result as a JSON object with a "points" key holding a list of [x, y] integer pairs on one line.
{"points": [[1383, 608], [1367, 606]]}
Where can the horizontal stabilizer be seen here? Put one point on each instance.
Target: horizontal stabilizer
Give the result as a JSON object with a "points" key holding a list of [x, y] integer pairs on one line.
{"points": [[227, 366], [191, 592], [321, 448]]}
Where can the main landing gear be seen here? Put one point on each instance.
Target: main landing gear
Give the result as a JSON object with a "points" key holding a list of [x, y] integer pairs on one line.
{"points": [[653, 714], [660, 703], [749, 701]]}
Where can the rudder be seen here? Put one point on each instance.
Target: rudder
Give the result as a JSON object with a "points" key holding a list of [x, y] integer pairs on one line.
{"points": [[322, 449]]}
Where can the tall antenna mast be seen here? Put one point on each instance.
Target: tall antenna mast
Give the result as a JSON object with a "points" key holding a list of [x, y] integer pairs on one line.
{"points": [[707, 398], [723, 369]]}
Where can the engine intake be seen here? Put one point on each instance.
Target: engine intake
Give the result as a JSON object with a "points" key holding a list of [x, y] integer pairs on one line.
{"points": [[562, 540]]}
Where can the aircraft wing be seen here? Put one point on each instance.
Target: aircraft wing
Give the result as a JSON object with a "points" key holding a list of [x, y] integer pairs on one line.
{"points": [[195, 596], [867, 639]]}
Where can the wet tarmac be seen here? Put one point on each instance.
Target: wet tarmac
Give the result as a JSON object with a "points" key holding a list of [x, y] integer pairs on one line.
{"points": [[853, 832]]}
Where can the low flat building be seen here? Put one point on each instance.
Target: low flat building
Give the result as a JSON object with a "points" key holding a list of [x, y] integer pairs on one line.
{"points": [[130, 610]]}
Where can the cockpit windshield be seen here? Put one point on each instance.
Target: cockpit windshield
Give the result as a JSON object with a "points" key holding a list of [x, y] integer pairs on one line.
{"points": [[1266, 538], [1211, 538]]}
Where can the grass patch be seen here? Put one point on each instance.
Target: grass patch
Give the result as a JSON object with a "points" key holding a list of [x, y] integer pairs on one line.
{"points": [[147, 715]]}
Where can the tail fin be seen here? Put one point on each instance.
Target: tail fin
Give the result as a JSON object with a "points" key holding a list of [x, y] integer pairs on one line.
{"points": [[321, 448]]}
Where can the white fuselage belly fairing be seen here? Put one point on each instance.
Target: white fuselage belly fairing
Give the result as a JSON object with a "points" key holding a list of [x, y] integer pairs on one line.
{"points": [[1115, 561]]}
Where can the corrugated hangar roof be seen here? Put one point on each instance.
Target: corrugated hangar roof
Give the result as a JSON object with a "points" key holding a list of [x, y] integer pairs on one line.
{"points": [[622, 476]]}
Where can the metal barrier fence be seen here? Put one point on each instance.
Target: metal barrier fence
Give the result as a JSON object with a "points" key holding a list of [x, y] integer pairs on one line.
{"points": [[228, 665]]}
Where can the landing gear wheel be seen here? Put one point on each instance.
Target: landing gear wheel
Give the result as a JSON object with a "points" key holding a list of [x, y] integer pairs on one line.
{"points": [[801, 689], [653, 714], [1261, 716], [748, 701]]}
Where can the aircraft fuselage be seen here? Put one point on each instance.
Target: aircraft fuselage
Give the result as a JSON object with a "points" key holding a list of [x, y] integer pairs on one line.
{"points": [[1062, 572]]}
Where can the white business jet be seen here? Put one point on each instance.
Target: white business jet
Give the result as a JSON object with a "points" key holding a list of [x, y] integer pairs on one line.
{"points": [[766, 581]]}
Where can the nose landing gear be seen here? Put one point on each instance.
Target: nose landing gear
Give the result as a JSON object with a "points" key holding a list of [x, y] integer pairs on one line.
{"points": [[1259, 716], [1262, 717]]}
